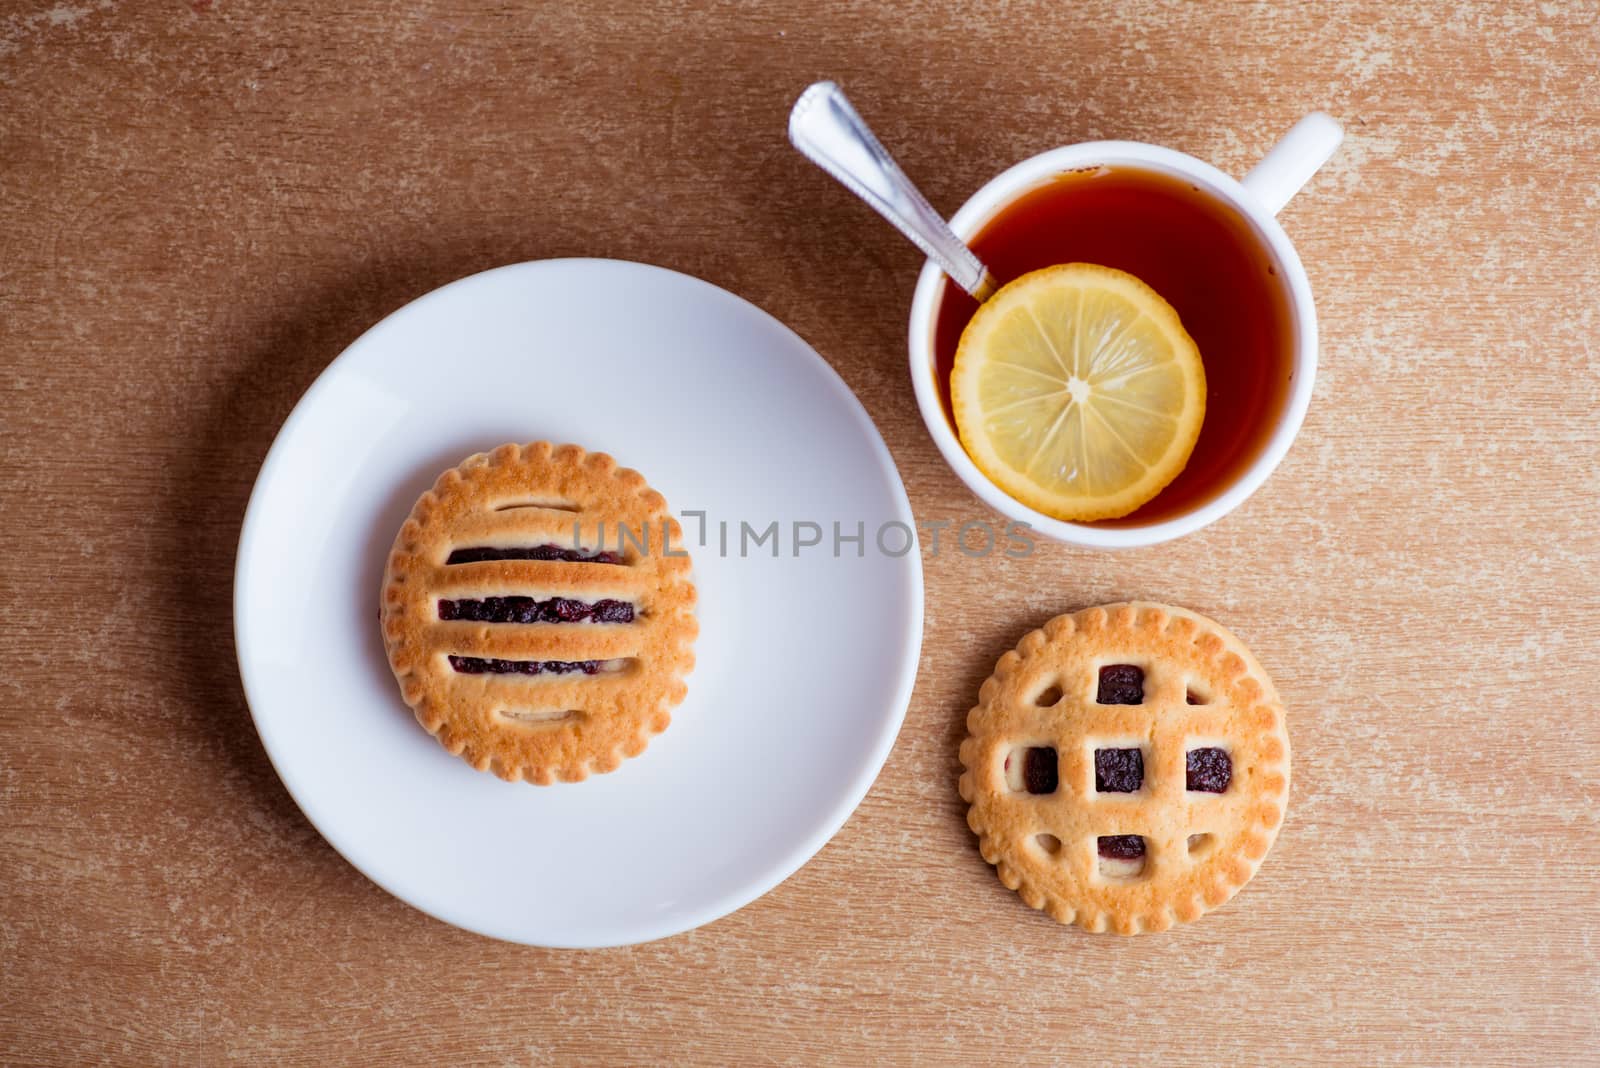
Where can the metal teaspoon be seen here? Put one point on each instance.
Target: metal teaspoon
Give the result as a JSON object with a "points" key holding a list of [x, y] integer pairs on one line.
{"points": [[827, 130]]}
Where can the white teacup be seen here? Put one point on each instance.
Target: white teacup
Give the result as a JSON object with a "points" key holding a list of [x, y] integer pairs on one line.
{"points": [[1259, 197]]}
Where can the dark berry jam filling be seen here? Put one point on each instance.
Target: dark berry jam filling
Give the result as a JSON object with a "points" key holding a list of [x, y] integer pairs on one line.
{"points": [[529, 610], [1121, 846], [1194, 699], [1121, 684], [537, 552], [1039, 772], [473, 665], [1209, 770], [1118, 771]]}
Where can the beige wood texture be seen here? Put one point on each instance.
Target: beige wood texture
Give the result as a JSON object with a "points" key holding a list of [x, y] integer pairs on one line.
{"points": [[202, 203]]}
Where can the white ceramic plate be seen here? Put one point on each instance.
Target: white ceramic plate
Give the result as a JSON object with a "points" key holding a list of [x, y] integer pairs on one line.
{"points": [[804, 662]]}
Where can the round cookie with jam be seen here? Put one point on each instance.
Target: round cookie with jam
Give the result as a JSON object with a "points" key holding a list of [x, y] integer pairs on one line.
{"points": [[1127, 767], [538, 613]]}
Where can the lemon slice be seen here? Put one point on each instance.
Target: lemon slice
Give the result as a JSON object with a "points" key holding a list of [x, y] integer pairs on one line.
{"points": [[1078, 392]]}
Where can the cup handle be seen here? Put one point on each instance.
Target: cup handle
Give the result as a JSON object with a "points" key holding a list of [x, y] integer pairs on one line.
{"points": [[1293, 160]]}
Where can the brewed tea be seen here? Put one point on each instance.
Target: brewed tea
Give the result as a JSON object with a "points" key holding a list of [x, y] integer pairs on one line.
{"points": [[1203, 257]]}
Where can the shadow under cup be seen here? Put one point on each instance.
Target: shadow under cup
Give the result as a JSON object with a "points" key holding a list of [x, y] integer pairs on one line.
{"points": [[1204, 256]]}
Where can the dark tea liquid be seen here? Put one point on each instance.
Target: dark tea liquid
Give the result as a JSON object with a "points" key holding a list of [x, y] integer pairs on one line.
{"points": [[1203, 257]]}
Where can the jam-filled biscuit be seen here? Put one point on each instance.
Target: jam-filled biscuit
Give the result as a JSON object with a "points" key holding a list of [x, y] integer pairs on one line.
{"points": [[538, 612], [1127, 767]]}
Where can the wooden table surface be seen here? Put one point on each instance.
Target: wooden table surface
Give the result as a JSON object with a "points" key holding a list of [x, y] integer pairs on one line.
{"points": [[202, 203]]}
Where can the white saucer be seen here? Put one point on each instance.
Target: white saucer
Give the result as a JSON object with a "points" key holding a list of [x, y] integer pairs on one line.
{"points": [[804, 663]]}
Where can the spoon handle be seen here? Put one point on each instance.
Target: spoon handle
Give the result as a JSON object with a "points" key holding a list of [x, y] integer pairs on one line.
{"points": [[827, 130]]}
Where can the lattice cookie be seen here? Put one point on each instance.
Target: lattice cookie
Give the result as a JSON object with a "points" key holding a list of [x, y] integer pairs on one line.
{"points": [[1127, 767], [538, 612]]}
